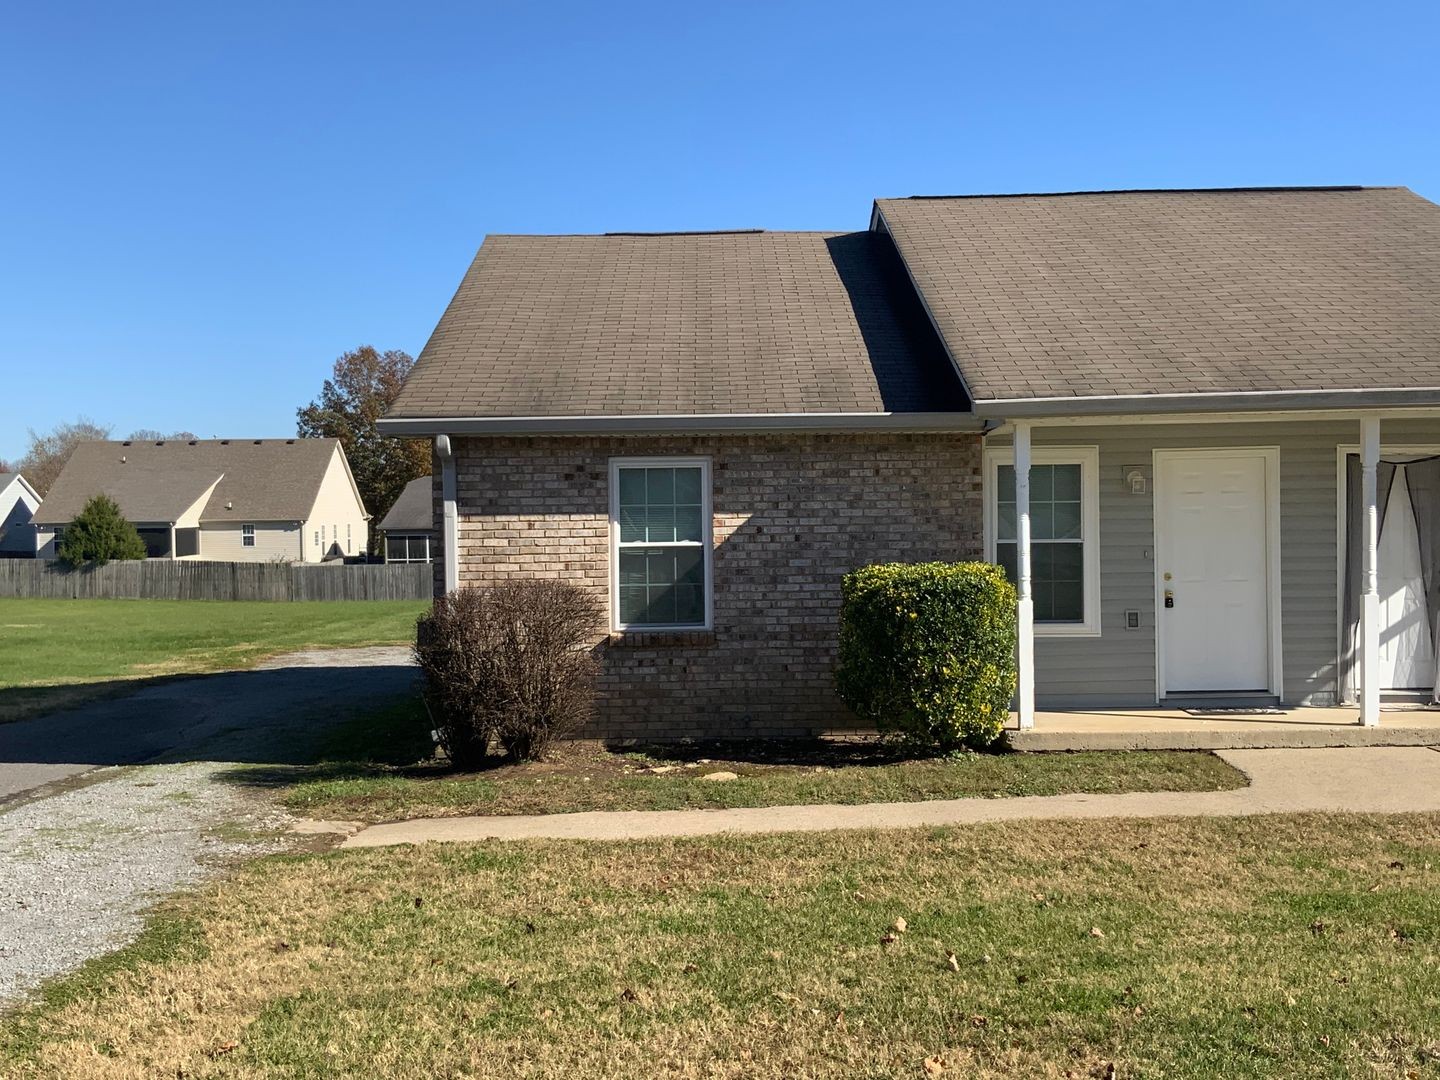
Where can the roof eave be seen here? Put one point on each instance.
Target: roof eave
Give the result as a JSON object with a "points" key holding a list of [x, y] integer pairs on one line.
{"points": [[1242, 401], [691, 424]]}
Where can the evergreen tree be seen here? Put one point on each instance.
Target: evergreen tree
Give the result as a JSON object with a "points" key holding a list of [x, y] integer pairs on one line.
{"points": [[99, 534]]}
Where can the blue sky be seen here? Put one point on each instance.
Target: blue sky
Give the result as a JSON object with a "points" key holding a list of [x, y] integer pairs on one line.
{"points": [[202, 205]]}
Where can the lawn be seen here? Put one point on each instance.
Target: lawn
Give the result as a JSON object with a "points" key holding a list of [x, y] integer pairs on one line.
{"points": [[1305, 946], [380, 768], [58, 652]]}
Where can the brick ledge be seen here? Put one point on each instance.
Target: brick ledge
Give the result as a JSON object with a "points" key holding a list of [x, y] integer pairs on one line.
{"points": [[645, 639]]}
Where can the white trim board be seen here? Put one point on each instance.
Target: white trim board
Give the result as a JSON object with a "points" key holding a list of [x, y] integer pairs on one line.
{"points": [[1271, 456]]}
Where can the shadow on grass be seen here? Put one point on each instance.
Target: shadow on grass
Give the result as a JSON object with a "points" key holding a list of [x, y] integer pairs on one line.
{"points": [[392, 739], [393, 742]]}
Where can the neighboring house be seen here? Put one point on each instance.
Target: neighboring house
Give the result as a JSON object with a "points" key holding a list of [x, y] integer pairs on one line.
{"points": [[18, 503], [1200, 429], [409, 528], [233, 500]]}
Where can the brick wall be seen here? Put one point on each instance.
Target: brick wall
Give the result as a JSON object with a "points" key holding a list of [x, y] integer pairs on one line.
{"points": [[792, 513]]}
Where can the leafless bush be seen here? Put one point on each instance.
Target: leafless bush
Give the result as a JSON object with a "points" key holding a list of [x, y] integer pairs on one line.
{"points": [[508, 663]]}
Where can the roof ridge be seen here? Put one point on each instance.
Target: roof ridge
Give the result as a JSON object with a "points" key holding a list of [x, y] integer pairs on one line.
{"points": [[1156, 191], [669, 232]]}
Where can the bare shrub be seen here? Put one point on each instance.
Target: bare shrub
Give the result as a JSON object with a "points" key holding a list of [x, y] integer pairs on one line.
{"points": [[508, 663]]}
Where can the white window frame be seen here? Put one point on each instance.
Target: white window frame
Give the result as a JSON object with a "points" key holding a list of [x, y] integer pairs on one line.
{"points": [[706, 545], [1088, 458], [247, 535]]}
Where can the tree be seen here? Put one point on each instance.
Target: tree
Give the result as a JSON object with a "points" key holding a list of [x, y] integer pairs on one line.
{"points": [[50, 450], [146, 434], [98, 534], [363, 384]]}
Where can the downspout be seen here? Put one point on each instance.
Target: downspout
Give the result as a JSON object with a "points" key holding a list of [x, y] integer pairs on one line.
{"points": [[449, 529]]}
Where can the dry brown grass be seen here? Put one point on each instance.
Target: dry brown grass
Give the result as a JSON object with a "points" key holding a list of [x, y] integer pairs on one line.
{"points": [[1298, 946], [380, 767]]}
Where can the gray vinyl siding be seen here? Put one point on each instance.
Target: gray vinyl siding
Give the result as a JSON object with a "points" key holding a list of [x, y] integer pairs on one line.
{"points": [[1118, 667]]}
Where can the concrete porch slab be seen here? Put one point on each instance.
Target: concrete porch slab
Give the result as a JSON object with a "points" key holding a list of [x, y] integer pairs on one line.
{"points": [[1178, 729]]}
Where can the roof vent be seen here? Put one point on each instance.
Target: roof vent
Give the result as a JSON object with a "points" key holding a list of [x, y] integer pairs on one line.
{"points": [[123, 458], [224, 442], [125, 443], [289, 442], [257, 442], [160, 442], [194, 442]]}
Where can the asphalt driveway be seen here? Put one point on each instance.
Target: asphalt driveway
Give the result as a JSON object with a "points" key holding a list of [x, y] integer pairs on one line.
{"points": [[267, 715]]}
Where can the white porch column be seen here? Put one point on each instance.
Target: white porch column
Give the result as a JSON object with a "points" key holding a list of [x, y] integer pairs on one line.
{"points": [[1370, 596], [1025, 621]]}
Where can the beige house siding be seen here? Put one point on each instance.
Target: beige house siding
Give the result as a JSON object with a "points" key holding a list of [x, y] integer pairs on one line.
{"points": [[1118, 667], [791, 514], [275, 541], [337, 515]]}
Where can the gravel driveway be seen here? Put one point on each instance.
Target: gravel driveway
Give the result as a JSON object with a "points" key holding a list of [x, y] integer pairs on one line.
{"points": [[105, 808]]}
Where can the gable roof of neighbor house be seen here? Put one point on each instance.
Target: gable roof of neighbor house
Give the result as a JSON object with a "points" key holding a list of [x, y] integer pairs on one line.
{"points": [[1109, 295], [252, 479], [414, 511], [8, 478], [548, 330]]}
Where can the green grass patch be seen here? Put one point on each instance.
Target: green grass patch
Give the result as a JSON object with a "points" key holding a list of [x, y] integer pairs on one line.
{"points": [[1283, 946], [379, 768], [60, 652]]}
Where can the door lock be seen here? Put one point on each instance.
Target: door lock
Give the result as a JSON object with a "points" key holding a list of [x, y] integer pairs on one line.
{"points": [[1169, 597]]}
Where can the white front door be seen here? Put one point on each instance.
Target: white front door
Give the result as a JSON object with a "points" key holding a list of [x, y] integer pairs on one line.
{"points": [[1407, 653], [1212, 521]]}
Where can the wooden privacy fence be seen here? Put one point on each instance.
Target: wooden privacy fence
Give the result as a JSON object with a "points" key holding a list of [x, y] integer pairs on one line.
{"points": [[162, 579]]}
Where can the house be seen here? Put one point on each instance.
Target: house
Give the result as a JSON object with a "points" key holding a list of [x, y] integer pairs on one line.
{"points": [[1199, 428], [233, 500], [18, 503], [409, 528]]}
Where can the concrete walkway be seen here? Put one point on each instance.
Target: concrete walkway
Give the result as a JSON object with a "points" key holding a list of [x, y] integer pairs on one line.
{"points": [[1383, 780], [1181, 729]]}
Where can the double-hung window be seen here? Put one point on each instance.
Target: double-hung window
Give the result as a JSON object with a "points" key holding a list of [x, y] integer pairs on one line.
{"points": [[1064, 533], [660, 543], [247, 535]]}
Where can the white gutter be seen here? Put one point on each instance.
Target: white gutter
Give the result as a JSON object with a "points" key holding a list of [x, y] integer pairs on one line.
{"points": [[450, 526], [681, 424]]}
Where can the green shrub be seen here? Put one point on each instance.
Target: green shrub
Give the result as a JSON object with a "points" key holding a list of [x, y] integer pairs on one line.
{"points": [[99, 534], [927, 650]]}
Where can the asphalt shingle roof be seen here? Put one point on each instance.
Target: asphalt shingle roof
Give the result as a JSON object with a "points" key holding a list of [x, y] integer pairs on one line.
{"points": [[413, 511], [260, 479], [680, 325], [1179, 292]]}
